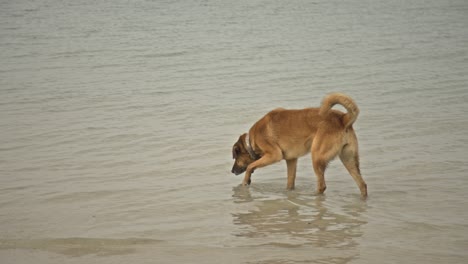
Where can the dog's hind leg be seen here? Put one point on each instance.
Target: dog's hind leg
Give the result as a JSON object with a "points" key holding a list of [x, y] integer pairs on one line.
{"points": [[265, 160], [324, 149], [319, 169], [350, 158], [291, 164]]}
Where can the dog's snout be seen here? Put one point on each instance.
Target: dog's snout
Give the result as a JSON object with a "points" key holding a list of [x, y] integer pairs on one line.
{"points": [[237, 170]]}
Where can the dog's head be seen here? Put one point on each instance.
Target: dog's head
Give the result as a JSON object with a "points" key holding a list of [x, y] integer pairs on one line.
{"points": [[241, 156]]}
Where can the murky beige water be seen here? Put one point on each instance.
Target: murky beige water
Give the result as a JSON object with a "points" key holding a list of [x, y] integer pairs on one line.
{"points": [[117, 120]]}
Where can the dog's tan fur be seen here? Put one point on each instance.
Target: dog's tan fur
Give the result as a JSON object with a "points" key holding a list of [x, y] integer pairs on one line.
{"points": [[290, 134]]}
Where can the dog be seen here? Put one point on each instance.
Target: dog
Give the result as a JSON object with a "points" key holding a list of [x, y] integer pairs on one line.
{"points": [[290, 134]]}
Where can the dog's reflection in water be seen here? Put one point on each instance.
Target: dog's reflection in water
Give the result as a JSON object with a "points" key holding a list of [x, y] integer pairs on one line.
{"points": [[298, 219]]}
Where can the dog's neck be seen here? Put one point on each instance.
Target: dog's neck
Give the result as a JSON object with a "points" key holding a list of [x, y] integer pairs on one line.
{"points": [[249, 148]]}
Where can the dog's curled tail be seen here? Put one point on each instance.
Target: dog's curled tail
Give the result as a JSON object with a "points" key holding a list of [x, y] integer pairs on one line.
{"points": [[338, 98]]}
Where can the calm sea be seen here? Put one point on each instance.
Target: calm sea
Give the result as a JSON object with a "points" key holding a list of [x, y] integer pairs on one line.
{"points": [[117, 120]]}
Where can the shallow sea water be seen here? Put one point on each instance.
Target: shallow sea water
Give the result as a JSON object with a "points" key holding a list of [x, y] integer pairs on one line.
{"points": [[117, 120]]}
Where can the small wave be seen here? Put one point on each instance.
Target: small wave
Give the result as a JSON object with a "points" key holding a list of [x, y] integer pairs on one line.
{"points": [[163, 55], [76, 246]]}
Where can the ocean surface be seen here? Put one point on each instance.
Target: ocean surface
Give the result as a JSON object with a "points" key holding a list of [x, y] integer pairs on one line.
{"points": [[117, 120]]}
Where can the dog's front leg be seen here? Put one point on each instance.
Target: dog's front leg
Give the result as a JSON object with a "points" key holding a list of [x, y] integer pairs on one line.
{"points": [[291, 164], [247, 179], [265, 160]]}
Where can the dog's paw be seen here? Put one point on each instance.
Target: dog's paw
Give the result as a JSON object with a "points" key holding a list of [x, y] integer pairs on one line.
{"points": [[319, 194], [246, 183]]}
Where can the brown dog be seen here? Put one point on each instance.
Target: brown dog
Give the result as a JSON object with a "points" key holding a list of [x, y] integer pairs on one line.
{"points": [[290, 134]]}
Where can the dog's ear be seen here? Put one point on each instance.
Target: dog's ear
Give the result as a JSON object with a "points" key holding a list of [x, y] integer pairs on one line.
{"points": [[235, 151]]}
